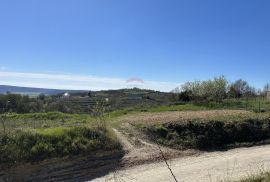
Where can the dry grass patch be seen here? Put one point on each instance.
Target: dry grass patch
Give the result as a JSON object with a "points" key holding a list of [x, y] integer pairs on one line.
{"points": [[173, 116]]}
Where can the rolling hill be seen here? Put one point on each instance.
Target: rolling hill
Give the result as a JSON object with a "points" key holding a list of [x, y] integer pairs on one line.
{"points": [[34, 91]]}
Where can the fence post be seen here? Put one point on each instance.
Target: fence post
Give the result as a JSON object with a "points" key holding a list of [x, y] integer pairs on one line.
{"points": [[246, 103]]}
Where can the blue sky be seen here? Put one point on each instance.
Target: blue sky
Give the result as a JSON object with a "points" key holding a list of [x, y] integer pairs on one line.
{"points": [[163, 42]]}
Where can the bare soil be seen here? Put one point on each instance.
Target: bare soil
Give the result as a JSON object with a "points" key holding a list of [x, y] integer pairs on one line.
{"points": [[139, 150], [142, 159], [232, 165], [67, 169]]}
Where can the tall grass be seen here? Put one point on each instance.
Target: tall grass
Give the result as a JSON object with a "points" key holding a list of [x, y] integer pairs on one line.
{"points": [[39, 136], [261, 178], [256, 104], [216, 133], [12, 122], [180, 107], [36, 145]]}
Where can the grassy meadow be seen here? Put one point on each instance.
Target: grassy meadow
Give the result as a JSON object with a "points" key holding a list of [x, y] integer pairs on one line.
{"points": [[254, 104]]}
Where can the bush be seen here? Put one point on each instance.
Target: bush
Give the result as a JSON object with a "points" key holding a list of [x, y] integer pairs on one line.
{"points": [[261, 178], [212, 134], [57, 142]]}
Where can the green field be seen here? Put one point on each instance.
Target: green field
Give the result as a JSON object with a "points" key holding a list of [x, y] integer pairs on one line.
{"points": [[256, 105]]}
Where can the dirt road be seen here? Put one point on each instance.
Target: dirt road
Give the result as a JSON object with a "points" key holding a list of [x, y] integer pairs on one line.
{"points": [[207, 167]]}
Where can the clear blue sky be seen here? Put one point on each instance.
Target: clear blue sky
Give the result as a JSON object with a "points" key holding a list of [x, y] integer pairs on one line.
{"points": [[159, 40]]}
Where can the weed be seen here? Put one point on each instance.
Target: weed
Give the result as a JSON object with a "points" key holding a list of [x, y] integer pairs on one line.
{"points": [[210, 133], [36, 145]]}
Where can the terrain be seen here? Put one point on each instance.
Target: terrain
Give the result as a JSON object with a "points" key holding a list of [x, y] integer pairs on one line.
{"points": [[33, 91], [231, 165], [114, 135], [139, 153]]}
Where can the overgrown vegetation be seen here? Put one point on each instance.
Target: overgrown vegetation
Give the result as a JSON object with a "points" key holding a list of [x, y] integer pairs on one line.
{"points": [[34, 129], [261, 178], [249, 104], [40, 144], [39, 136], [217, 90], [211, 133], [13, 121], [84, 102], [17, 103], [209, 94]]}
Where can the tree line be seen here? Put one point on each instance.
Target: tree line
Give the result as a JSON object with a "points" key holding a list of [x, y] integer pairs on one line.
{"points": [[218, 89], [17, 103]]}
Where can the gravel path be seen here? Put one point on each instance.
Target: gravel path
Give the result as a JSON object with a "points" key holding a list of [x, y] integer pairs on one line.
{"points": [[208, 167]]}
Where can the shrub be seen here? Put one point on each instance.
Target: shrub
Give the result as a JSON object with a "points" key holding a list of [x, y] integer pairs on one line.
{"points": [[212, 134], [36, 145], [260, 178]]}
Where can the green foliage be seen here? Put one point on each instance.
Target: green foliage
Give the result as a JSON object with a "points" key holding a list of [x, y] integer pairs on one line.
{"points": [[161, 131], [210, 90], [217, 89], [14, 122], [241, 88], [252, 104], [39, 136], [261, 178], [36, 145], [80, 103], [60, 107], [24, 104], [186, 96], [213, 93], [18, 103], [178, 107], [215, 133]]}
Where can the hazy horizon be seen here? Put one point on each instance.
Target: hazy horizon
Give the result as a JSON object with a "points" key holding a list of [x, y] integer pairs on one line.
{"points": [[54, 44]]}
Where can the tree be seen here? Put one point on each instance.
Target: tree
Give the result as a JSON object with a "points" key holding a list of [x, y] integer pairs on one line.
{"points": [[218, 90], [210, 90], [193, 88], [89, 94], [41, 97], [241, 88], [186, 96]]}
